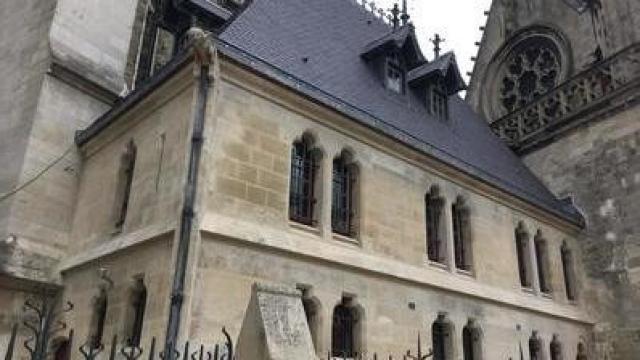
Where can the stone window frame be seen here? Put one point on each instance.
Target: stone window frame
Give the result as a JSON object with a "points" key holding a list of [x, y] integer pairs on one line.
{"points": [[313, 198], [462, 235], [345, 195], [491, 80]]}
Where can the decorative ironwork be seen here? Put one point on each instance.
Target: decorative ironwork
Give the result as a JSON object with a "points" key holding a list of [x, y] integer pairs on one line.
{"points": [[592, 89], [42, 320]]}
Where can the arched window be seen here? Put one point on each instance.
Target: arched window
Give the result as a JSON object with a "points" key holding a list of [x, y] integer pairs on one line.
{"points": [[137, 306], [582, 352], [522, 249], [312, 311], [568, 271], [125, 179], [436, 245], [461, 234], [442, 338], [304, 184], [344, 337], [542, 259], [98, 317], [535, 347], [555, 348], [344, 195], [471, 342]]}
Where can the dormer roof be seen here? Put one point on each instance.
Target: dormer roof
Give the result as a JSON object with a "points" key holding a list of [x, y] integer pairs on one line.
{"points": [[445, 67], [401, 39]]}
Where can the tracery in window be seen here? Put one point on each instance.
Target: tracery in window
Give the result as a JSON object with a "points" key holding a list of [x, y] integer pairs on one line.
{"points": [[436, 244], [304, 181], [394, 73], [344, 195], [125, 180], [542, 259], [568, 271], [437, 100], [532, 69], [524, 259], [461, 234]]}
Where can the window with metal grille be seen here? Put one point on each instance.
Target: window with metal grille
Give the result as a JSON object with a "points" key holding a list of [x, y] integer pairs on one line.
{"points": [[555, 348], [441, 339], [434, 205], [461, 234], [343, 339], [394, 73], [437, 100], [522, 249], [471, 345], [138, 304], [98, 318], [542, 262], [343, 209], [535, 347], [123, 191], [568, 271], [304, 164]]}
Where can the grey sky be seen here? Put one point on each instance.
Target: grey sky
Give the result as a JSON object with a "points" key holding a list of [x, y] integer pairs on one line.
{"points": [[458, 21]]}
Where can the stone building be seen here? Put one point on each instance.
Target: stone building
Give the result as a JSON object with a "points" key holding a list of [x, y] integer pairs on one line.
{"points": [[558, 81], [154, 174]]}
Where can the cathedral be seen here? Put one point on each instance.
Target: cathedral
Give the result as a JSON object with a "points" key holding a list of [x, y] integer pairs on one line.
{"points": [[303, 175]]}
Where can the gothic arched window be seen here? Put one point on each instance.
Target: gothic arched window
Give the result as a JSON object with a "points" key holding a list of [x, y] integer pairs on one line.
{"points": [[568, 271], [532, 69], [522, 250], [304, 184], [471, 342], [461, 234], [137, 306], [555, 348], [441, 337], [535, 347], [344, 330], [344, 195], [434, 207], [98, 317], [542, 259], [125, 180]]}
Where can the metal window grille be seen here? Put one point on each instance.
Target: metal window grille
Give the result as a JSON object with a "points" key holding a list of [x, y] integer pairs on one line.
{"points": [[439, 333], [521, 248], [535, 349], [343, 332], [301, 196], [468, 343], [460, 232], [139, 303], [433, 207], [567, 270], [342, 212]]}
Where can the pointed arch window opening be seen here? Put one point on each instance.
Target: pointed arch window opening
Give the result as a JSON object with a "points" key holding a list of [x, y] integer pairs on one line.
{"points": [[461, 235], [542, 261], [568, 272], [471, 342], [555, 349], [343, 211], [535, 347], [138, 306], [436, 246], [345, 318], [441, 336], [305, 162], [522, 250]]}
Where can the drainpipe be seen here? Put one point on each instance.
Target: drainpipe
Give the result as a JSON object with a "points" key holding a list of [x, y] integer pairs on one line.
{"points": [[203, 53]]}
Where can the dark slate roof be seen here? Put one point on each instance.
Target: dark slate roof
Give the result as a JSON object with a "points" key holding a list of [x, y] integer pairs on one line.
{"points": [[398, 39], [274, 36], [445, 66]]}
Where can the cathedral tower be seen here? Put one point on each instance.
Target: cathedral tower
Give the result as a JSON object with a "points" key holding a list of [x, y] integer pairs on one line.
{"points": [[558, 81]]}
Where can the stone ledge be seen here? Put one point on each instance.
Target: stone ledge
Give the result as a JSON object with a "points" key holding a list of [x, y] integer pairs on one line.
{"points": [[311, 247]]}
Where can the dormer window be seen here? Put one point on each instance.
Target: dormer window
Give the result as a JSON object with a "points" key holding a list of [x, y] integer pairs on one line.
{"points": [[394, 80], [437, 100]]}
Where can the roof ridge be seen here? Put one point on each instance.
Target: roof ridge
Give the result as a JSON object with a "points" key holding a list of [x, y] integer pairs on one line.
{"points": [[370, 8]]}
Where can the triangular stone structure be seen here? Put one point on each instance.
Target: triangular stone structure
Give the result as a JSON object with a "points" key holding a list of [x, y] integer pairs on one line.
{"points": [[275, 326]]}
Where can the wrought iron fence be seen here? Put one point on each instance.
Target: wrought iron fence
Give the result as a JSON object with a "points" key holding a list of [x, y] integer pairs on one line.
{"points": [[587, 91]]}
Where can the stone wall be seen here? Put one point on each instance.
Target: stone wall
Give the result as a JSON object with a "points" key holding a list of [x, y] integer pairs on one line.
{"points": [[599, 165]]}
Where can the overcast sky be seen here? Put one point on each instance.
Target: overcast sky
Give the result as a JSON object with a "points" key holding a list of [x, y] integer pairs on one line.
{"points": [[457, 21]]}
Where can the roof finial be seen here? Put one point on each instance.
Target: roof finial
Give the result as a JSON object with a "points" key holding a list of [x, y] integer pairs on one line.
{"points": [[405, 13], [437, 40], [395, 11]]}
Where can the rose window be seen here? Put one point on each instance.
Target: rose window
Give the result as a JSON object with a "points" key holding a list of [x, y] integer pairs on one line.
{"points": [[531, 71]]}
